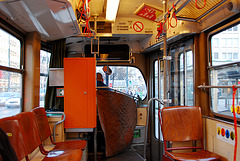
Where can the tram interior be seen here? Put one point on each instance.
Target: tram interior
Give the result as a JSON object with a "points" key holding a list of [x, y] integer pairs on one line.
{"points": [[173, 45]]}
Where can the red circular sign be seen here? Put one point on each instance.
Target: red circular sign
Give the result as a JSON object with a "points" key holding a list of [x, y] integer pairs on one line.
{"points": [[138, 26]]}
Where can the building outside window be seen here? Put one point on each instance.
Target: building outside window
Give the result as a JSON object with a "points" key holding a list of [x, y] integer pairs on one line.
{"points": [[225, 71], [44, 70]]}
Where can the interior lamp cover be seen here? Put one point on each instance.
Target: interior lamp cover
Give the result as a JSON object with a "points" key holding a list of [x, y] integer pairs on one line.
{"points": [[112, 8]]}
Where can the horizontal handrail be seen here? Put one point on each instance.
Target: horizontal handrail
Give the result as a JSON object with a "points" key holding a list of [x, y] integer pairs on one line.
{"points": [[204, 86]]}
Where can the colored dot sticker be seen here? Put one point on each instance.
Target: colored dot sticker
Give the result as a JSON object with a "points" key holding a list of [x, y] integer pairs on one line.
{"points": [[227, 134], [223, 132], [219, 130], [232, 135]]}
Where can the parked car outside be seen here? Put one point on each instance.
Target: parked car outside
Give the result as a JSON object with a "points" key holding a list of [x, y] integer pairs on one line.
{"points": [[4, 96], [14, 102]]}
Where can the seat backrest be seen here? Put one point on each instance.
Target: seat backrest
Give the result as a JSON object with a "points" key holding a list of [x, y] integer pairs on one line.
{"points": [[29, 130], [181, 123], [11, 127], [42, 123], [118, 120]]}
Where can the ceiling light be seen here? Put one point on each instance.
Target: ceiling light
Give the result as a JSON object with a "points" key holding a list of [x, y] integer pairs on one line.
{"points": [[112, 7]]}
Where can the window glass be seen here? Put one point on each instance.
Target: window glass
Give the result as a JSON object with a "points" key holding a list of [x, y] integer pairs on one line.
{"points": [[44, 69], [181, 90], [10, 48], [126, 79], [215, 55], [189, 78], [10, 81], [225, 72], [10, 93], [228, 47], [221, 98], [158, 80]]}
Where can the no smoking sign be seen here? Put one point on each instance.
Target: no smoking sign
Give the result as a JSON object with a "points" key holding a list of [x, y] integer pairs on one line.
{"points": [[138, 26]]}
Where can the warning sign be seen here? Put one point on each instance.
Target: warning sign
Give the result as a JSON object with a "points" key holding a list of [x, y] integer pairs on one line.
{"points": [[138, 26], [148, 12]]}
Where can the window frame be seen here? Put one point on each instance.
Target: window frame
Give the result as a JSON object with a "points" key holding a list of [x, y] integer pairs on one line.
{"points": [[20, 36], [107, 80], [45, 47], [215, 31]]}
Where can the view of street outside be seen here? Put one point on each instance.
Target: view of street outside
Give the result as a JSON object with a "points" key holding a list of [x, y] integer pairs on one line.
{"points": [[11, 81]]}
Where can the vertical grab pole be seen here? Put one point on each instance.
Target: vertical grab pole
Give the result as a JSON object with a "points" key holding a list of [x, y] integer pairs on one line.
{"points": [[95, 129], [146, 129], [165, 56]]}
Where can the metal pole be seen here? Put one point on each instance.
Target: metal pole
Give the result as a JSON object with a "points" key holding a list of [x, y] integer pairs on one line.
{"points": [[164, 56], [203, 86], [146, 129], [95, 129], [159, 94]]}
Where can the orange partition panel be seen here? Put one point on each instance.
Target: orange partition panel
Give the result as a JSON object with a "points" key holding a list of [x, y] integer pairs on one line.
{"points": [[80, 92]]}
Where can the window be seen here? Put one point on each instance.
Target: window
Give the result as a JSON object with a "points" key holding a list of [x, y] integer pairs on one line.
{"points": [[216, 42], [181, 88], [235, 28], [235, 42], [224, 55], [215, 55], [224, 42], [44, 69], [229, 56], [10, 75], [235, 55], [225, 73], [158, 80], [126, 79]]}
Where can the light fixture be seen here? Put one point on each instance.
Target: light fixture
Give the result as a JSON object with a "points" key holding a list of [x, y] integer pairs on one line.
{"points": [[112, 7]]}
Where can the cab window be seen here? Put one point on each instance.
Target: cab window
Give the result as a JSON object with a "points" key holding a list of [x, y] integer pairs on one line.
{"points": [[126, 79]]}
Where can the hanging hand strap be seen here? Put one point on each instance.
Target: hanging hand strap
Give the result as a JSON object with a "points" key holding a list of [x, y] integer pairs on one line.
{"points": [[235, 122], [173, 15], [167, 20], [196, 3]]}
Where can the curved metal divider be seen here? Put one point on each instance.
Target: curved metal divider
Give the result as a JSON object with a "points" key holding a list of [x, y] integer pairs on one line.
{"points": [[59, 122]]}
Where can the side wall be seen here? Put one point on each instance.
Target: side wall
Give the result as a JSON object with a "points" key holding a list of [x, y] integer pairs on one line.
{"points": [[220, 144]]}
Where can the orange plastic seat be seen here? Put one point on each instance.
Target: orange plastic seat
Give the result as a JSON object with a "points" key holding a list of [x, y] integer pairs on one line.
{"points": [[45, 132], [11, 127], [180, 124], [32, 140]]}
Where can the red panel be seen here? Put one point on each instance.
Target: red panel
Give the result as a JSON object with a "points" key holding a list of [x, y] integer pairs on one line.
{"points": [[148, 12], [80, 92]]}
